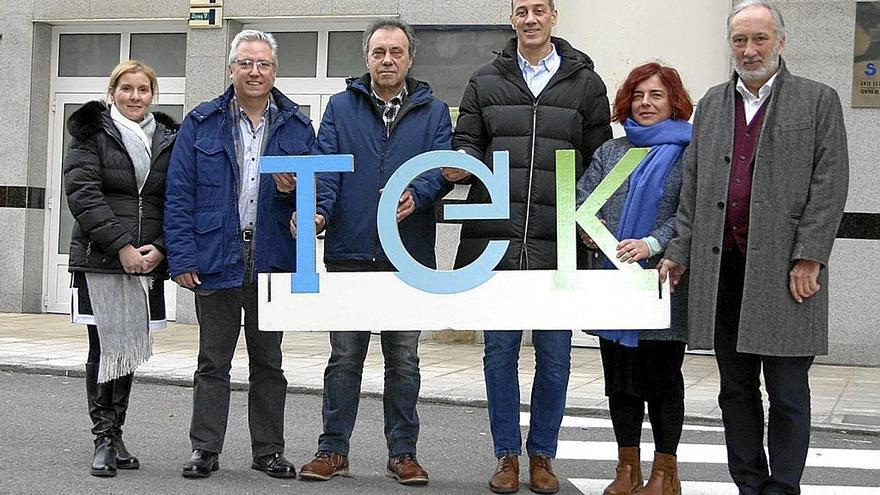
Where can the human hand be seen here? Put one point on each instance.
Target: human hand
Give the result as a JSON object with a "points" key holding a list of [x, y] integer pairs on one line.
{"points": [[152, 256], [803, 279], [188, 280], [586, 239], [406, 205], [454, 174], [319, 224], [633, 250], [671, 269], [284, 182], [131, 259]]}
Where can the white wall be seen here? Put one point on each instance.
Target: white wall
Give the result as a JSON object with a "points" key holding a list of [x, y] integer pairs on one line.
{"points": [[618, 35]]}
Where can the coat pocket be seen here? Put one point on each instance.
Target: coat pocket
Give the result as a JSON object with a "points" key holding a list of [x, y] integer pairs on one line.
{"points": [[210, 244], [795, 126], [211, 162]]}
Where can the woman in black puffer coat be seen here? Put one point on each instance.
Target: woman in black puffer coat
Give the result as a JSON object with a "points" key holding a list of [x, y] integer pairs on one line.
{"points": [[114, 178]]}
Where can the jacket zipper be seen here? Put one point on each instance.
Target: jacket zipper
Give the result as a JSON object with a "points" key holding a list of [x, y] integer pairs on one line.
{"points": [[405, 109], [139, 189], [140, 217], [385, 137], [523, 254]]}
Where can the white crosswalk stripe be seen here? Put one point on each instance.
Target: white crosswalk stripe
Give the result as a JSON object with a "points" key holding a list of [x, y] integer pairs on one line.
{"points": [[695, 454], [591, 487], [578, 422], [717, 454]]}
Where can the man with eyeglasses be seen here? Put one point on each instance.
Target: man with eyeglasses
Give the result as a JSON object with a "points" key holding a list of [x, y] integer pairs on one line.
{"points": [[224, 222], [383, 118]]}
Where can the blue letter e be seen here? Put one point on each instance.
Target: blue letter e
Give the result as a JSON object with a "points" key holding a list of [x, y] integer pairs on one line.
{"points": [[411, 271]]}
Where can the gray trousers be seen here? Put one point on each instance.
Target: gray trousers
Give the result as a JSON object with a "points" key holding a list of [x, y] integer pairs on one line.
{"points": [[219, 315]]}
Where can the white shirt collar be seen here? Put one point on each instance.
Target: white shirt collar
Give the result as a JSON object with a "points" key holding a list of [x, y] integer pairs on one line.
{"points": [[762, 93], [550, 63]]}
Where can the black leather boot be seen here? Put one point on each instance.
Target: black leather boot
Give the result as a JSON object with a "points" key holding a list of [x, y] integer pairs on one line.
{"points": [[121, 393], [104, 462], [103, 414]]}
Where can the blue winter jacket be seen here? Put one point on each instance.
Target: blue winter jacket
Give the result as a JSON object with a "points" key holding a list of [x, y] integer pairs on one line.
{"points": [[353, 125], [202, 229]]}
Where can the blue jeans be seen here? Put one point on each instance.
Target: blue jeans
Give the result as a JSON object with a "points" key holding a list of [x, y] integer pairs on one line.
{"points": [[552, 366], [342, 387]]}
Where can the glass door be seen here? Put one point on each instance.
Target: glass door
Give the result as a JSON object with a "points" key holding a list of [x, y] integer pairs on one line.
{"points": [[60, 220]]}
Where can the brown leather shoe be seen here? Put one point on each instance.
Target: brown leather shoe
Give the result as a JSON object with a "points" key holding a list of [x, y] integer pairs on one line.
{"points": [[406, 470], [324, 466], [506, 477], [629, 473], [664, 476], [543, 480]]}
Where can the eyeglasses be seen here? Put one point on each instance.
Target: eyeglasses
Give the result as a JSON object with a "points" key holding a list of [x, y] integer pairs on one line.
{"points": [[247, 64]]}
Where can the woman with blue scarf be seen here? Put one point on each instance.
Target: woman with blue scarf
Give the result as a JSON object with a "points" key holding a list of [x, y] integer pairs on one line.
{"points": [[644, 366]]}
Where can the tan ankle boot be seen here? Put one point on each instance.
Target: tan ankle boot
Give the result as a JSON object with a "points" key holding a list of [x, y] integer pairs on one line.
{"points": [[629, 473], [664, 477]]}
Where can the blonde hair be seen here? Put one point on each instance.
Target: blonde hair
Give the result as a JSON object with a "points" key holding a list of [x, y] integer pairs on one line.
{"points": [[128, 67]]}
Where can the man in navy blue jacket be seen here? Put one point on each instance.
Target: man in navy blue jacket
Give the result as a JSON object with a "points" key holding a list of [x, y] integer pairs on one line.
{"points": [[223, 223], [383, 118]]}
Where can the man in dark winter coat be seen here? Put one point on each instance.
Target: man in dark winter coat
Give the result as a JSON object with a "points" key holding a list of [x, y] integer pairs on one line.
{"points": [[762, 197], [540, 95], [224, 223], [383, 118]]}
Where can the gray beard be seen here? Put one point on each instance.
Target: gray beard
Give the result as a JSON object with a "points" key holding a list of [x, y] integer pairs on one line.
{"points": [[762, 74]]}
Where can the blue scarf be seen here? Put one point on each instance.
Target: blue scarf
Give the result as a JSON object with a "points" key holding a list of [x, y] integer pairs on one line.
{"points": [[667, 139]]}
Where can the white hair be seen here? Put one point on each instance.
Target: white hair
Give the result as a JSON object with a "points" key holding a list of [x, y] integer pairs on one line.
{"points": [[774, 12], [252, 35]]}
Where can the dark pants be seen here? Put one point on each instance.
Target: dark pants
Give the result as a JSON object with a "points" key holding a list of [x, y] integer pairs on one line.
{"points": [[219, 315], [342, 381], [788, 388], [648, 373]]}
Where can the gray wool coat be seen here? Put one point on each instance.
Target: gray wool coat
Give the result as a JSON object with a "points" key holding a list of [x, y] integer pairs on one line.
{"points": [[799, 187]]}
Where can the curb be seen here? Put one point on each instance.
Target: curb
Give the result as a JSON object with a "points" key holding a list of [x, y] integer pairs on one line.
{"points": [[697, 419]]}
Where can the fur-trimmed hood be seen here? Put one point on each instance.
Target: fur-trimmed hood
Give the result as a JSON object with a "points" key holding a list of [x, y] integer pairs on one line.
{"points": [[90, 120]]}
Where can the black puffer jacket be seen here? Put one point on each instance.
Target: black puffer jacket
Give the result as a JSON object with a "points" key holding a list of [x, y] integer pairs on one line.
{"points": [[103, 195], [498, 112]]}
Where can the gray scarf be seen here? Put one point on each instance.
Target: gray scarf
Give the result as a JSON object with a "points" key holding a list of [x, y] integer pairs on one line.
{"points": [[122, 314], [137, 137]]}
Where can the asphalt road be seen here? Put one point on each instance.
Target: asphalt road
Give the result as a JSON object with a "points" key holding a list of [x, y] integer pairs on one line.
{"points": [[46, 447]]}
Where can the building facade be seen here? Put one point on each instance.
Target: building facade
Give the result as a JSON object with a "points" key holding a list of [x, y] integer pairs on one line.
{"points": [[55, 56]]}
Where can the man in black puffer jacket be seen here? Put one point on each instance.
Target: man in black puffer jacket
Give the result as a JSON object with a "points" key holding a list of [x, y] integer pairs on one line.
{"points": [[538, 96]]}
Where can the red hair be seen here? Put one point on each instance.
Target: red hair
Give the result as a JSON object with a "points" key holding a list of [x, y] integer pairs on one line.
{"points": [[679, 99]]}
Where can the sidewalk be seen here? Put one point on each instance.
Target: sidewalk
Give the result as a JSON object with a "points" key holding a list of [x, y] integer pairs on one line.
{"points": [[844, 398]]}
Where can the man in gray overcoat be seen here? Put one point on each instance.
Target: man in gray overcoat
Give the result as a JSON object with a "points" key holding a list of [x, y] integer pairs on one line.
{"points": [[762, 197]]}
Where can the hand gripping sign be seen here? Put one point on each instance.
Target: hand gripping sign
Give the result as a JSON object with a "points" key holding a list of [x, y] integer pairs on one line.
{"points": [[474, 297]]}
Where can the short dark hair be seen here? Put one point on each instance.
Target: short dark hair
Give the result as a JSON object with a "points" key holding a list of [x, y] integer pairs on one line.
{"points": [[679, 99], [390, 23], [552, 4]]}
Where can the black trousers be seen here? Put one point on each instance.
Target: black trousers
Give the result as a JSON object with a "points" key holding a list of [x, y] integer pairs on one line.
{"points": [[742, 411], [219, 315], [648, 373]]}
